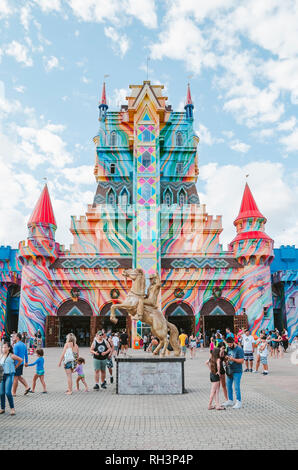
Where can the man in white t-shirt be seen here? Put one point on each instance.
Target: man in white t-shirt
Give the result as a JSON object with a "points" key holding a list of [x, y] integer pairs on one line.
{"points": [[248, 342]]}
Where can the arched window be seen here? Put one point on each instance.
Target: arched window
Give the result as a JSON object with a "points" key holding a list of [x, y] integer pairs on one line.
{"points": [[181, 199], [179, 168], [179, 139], [112, 168], [146, 159], [113, 139], [124, 197], [252, 260], [111, 199], [167, 198]]}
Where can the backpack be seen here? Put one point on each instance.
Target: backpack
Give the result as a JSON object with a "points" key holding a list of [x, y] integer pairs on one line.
{"points": [[186, 341]]}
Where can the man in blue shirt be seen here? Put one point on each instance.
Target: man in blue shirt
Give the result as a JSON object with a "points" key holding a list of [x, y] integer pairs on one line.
{"points": [[236, 359], [20, 349]]}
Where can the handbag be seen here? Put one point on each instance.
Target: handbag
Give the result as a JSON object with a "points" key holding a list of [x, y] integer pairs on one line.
{"points": [[229, 371]]}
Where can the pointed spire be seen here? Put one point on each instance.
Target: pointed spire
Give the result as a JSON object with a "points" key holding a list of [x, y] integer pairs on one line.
{"points": [[248, 207], [189, 104], [43, 212], [188, 96], [103, 95]]}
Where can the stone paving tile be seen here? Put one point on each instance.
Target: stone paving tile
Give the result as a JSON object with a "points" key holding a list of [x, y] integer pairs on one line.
{"points": [[104, 420]]}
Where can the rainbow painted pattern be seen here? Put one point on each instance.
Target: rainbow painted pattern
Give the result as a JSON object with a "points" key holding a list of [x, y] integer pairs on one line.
{"points": [[146, 213]]}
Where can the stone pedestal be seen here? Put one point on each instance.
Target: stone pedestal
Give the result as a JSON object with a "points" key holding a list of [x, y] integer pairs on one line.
{"points": [[150, 375]]}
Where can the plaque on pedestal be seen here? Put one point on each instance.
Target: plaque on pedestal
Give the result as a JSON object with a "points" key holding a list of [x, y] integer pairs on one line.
{"points": [[150, 376]]}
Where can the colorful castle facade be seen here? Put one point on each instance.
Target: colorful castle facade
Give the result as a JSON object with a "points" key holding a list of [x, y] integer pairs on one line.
{"points": [[146, 213]]}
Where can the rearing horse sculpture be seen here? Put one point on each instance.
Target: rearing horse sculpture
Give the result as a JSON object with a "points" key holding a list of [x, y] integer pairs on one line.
{"points": [[135, 306]]}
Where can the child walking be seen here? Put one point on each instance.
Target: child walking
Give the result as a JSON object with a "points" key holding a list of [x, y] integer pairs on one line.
{"points": [[81, 375], [263, 352], [39, 373]]}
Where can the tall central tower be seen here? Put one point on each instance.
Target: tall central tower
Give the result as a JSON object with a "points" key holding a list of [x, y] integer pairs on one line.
{"points": [[146, 177]]}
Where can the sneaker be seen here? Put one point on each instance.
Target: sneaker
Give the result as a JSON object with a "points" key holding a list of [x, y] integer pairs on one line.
{"points": [[103, 385], [96, 387], [250, 370], [255, 371], [246, 370], [265, 373], [111, 379], [237, 405], [228, 403]]}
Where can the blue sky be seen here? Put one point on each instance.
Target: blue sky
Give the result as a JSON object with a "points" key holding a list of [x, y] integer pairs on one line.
{"points": [[241, 58]]}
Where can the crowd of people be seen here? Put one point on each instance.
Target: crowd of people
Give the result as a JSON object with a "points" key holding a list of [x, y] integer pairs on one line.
{"points": [[228, 353], [14, 357]]}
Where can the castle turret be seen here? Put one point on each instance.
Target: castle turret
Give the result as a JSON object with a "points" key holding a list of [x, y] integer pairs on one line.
{"points": [[251, 245], [41, 237], [42, 223], [189, 107]]}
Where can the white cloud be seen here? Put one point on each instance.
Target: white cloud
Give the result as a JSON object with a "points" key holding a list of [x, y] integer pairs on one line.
{"points": [[120, 42], [46, 141], [144, 10], [275, 197], [231, 37], [85, 80], [287, 125], [5, 9], [115, 11], [118, 97], [239, 146], [205, 136], [19, 52], [291, 141], [79, 175], [49, 5], [25, 16], [51, 63], [20, 88]]}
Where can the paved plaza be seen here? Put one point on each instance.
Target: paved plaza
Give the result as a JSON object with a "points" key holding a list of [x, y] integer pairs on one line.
{"points": [[104, 420]]}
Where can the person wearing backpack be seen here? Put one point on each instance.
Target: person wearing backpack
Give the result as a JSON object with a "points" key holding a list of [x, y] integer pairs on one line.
{"points": [[69, 356], [9, 362]]}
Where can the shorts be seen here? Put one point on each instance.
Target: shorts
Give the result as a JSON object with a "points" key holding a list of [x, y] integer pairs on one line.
{"points": [[214, 377], [109, 363], [275, 344], [192, 345], [40, 372], [100, 364], [183, 349], [81, 376], [69, 365], [19, 371], [248, 356], [264, 360]]}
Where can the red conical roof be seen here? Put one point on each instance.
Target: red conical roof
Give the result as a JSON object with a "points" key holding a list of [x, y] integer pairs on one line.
{"points": [[248, 207], [43, 211], [103, 96], [188, 96]]}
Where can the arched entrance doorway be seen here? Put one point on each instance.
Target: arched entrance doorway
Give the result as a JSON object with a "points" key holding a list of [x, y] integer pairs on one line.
{"points": [[216, 314], [74, 317], [181, 315], [13, 305], [121, 315]]}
